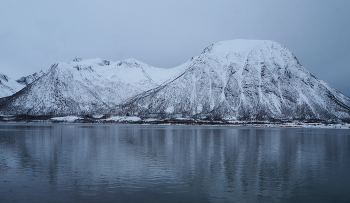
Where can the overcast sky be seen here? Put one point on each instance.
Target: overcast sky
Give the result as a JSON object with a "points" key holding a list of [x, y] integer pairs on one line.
{"points": [[37, 33]]}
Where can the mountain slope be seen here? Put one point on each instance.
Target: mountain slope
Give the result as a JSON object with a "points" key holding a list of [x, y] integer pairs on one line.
{"points": [[83, 87], [8, 86], [246, 80]]}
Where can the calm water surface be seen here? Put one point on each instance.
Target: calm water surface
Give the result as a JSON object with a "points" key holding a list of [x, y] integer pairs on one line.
{"points": [[146, 163]]}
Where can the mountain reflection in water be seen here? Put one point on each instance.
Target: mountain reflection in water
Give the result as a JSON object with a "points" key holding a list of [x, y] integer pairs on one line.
{"points": [[146, 163]]}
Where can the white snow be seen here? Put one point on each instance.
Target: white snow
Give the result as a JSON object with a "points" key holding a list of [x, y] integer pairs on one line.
{"points": [[150, 119], [66, 118], [138, 73], [123, 118], [184, 119], [170, 109], [97, 116]]}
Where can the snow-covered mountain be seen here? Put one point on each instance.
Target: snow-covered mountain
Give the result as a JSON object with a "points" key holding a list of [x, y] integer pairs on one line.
{"points": [[8, 86], [234, 80], [245, 80], [85, 87]]}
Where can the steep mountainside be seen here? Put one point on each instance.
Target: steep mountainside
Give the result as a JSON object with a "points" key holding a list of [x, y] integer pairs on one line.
{"points": [[84, 87], [8, 86], [245, 80]]}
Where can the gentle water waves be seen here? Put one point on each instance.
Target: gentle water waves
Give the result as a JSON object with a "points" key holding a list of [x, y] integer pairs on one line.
{"points": [[141, 163]]}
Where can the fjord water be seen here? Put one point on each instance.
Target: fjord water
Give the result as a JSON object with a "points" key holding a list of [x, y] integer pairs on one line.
{"points": [[168, 163]]}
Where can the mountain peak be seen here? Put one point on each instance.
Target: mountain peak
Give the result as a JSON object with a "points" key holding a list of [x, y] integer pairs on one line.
{"points": [[90, 62], [134, 62], [239, 46]]}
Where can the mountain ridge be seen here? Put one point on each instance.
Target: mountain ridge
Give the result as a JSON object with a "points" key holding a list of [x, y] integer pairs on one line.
{"points": [[229, 80], [82, 87]]}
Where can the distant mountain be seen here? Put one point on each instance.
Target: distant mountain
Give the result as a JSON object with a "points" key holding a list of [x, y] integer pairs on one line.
{"points": [[229, 80], [84, 87], [244, 80], [26, 80], [8, 86]]}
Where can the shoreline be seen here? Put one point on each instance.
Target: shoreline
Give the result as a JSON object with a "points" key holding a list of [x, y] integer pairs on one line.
{"points": [[181, 121]]}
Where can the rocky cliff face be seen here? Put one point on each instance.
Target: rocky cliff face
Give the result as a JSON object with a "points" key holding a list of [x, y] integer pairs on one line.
{"points": [[26, 80], [233, 80]]}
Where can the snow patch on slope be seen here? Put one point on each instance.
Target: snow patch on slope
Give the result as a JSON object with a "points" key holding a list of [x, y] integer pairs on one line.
{"points": [[123, 118], [66, 118]]}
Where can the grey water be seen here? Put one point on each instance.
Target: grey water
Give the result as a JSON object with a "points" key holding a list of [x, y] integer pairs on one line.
{"points": [[169, 163]]}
